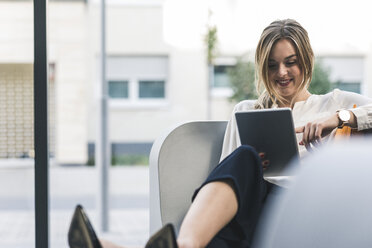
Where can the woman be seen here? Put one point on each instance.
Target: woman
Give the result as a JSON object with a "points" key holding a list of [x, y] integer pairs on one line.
{"points": [[226, 207]]}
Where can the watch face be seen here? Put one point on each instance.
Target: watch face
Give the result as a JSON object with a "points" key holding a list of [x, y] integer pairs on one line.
{"points": [[344, 115]]}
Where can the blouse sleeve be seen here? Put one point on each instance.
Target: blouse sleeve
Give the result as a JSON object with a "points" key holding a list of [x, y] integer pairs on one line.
{"points": [[363, 110], [231, 139]]}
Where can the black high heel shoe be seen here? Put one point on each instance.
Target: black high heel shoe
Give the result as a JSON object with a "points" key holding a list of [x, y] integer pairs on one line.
{"points": [[81, 234], [164, 238]]}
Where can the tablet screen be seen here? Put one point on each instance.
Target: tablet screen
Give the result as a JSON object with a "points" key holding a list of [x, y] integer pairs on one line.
{"points": [[270, 131]]}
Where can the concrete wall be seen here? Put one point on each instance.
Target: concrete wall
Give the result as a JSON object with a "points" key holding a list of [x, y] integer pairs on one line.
{"points": [[132, 30], [138, 30], [16, 36], [68, 36], [67, 49]]}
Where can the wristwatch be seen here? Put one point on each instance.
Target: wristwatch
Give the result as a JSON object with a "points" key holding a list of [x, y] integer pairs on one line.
{"points": [[344, 117]]}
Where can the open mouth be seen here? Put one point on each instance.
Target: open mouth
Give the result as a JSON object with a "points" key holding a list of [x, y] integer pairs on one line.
{"points": [[283, 83]]}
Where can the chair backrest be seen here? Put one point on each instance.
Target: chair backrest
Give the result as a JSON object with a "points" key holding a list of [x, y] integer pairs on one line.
{"points": [[180, 160], [328, 205]]}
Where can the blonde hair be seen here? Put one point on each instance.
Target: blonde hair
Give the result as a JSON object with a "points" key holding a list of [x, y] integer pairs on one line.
{"points": [[277, 30]]}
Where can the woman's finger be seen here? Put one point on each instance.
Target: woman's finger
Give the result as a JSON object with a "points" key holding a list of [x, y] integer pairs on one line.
{"points": [[318, 131], [316, 142], [312, 134], [305, 136], [265, 163], [308, 147], [300, 129], [318, 134], [261, 155]]}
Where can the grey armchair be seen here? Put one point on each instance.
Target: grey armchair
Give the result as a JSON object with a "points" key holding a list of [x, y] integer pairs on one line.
{"points": [[180, 161]]}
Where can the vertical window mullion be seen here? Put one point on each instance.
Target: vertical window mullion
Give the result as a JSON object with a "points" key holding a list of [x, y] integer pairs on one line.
{"points": [[134, 89], [41, 124]]}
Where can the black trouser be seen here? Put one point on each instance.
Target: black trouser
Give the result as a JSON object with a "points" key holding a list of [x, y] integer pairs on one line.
{"points": [[244, 170]]}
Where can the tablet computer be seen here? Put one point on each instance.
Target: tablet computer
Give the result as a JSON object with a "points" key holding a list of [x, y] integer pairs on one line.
{"points": [[270, 131]]}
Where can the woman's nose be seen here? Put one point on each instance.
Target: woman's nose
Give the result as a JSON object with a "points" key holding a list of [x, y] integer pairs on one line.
{"points": [[282, 70]]}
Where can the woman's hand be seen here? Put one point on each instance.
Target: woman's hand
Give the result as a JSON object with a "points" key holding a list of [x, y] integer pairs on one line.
{"points": [[314, 131], [264, 163]]}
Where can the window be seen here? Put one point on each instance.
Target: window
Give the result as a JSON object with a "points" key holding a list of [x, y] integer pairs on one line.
{"points": [[118, 89], [348, 86], [221, 78], [220, 81], [137, 79], [347, 72], [151, 89]]}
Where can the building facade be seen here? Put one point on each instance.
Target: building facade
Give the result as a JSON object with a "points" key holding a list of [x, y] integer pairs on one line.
{"points": [[153, 83]]}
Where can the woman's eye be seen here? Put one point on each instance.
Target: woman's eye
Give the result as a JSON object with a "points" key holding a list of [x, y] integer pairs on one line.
{"points": [[272, 66], [291, 63]]}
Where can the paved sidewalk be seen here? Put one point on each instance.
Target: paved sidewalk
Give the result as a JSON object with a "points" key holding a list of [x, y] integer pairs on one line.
{"points": [[129, 213], [127, 227]]}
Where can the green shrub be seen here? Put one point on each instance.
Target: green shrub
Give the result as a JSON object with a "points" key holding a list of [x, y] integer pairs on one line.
{"points": [[127, 159], [132, 159]]}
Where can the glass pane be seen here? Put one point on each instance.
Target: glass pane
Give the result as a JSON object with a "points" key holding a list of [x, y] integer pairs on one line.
{"points": [[353, 87], [72, 81], [74, 177], [151, 89], [16, 126], [16, 155], [17, 213], [221, 78], [118, 89]]}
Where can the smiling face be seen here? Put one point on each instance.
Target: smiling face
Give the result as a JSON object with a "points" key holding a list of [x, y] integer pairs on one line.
{"points": [[284, 70]]}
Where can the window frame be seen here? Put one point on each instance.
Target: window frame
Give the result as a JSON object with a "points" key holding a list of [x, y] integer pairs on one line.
{"points": [[134, 101], [222, 92]]}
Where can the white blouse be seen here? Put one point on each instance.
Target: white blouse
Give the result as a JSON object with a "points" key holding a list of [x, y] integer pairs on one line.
{"points": [[316, 107]]}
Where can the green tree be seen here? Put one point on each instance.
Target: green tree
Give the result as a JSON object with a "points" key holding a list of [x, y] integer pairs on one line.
{"points": [[242, 80], [211, 40], [320, 83]]}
